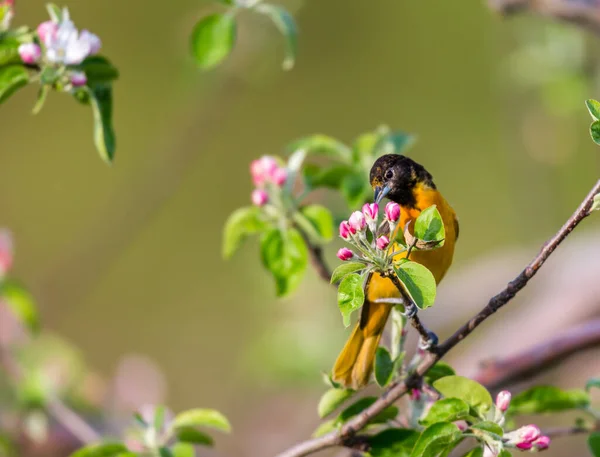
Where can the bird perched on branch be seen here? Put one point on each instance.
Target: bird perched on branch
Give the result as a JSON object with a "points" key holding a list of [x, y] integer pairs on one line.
{"points": [[404, 181]]}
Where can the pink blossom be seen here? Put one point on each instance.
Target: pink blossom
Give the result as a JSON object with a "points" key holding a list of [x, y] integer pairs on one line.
{"points": [[6, 251], [529, 433], [392, 211], [462, 425], [357, 221], [259, 197], [345, 254], [383, 242], [346, 230], [524, 445], [47, 31], [92, 40], [370, 211], [542, 442], [78, 78], [503, 400], [30, 53], [262, 169], [279, 176]]}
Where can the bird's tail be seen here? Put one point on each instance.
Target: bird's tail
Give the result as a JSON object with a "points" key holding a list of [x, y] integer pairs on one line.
{"points": [[354, 365]]}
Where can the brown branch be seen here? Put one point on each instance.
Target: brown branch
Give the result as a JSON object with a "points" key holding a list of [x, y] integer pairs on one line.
{"points": [[399, 388], [499, 372], [318, 261], [585, 13]]}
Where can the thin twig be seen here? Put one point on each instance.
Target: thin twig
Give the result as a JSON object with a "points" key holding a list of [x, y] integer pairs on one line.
{"points": [[318, 261], [500, 372], [399, 388]]}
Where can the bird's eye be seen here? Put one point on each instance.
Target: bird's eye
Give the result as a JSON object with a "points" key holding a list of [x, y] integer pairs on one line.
{"points": [[389, 174]]}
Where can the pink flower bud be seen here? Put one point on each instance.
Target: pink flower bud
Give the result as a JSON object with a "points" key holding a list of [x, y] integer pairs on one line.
{"points": [[529, 433], [30, 52], [357, 221], [462, 425], [503, 400], [542, 442], [345, 254], [279, 176], [6, 252], [524, 445], [392, 211], [415, 394], [346, 230], [262, 169], [259, 197], [78, 79], [370, 211], [383, 242], [47, 31]]}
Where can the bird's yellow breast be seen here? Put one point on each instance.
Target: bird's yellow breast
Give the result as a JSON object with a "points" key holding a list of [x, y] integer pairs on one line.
{"points": [[437, 260]]}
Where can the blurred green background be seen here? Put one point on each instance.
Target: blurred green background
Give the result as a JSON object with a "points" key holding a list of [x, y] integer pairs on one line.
{"points": [[126, 259]]}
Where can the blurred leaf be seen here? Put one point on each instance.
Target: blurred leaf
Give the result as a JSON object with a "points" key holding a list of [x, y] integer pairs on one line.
{"points": [[98, 70], [436, 439], [9, 52], [593, 382], [213, 39], [284, 21], [165, 452], [360, 405], [596, 203], [322, 145], [418, 281], [363, 148], [41, 98], [593, 107], [104, 136], [21, 304], [345, 269], [55, 12], [350, 296], [594, 444], [12, 78], [439, 370], [477, 452], [193, 435], [321, 219], [202, 417], [471, 392], [159, 418], [285, 255], [446, 410], [354, 188], [490, 427], [183, 450], [548, 399], [332, 399], [595, 131], [241, 223], [429, 225], [325, 428], [394, 442], [504, 453], [393, 143], [101, 450], [329, 177], [384, 367]]}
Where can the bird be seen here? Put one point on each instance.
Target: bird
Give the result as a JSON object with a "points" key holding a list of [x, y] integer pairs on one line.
{"points": [[410, 185]]}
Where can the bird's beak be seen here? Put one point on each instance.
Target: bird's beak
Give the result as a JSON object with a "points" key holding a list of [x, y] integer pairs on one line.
{"points": [[380, 192]]}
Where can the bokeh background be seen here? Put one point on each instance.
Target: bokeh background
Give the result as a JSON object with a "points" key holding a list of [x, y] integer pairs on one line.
{"points": [[125, 261]]}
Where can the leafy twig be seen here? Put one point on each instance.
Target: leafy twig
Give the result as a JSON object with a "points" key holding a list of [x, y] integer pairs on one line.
{"points": [[399, 388], [499, 372]]}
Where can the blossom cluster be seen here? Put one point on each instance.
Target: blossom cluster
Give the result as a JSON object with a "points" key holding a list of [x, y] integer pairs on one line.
{"points": [[354, 231], [61, 45], [268, 177]]}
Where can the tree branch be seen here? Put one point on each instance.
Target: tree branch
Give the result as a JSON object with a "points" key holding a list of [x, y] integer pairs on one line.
{"points": [[399, 388], [318, 261], [499, 372], [585, 13]]}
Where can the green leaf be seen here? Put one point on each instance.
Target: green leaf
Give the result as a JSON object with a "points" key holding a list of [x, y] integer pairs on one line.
{"points": [[41, 98], [489, 427], [384, 367], [213, 39], [322, 145], [241, 223], [21, 304], [446, 410], [285, 255], [329, 177], [104, 135], [504, 453], [593, 107], [439, 370], [284, 21], [595, 131], [98, 70], [202, 417], [12, 78], [55, 12], [438, 438], [471, 392], [360, 405], [325, 428], [354, 188], [331, 399], [393, 442], [101, 450], [321, 219], [429, 225], [183, 450], [363, 148], [548, 399], [594, 444], [345, 269], [9, 52], [418, 281], [596, 203], [193, 435], [477, 452], [350, 296], [394, 143], [593, 382]]}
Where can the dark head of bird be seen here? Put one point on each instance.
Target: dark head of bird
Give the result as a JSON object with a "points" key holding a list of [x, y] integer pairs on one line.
{"points": [[396, 176]]}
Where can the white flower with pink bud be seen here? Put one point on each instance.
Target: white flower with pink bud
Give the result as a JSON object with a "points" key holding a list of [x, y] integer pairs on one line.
{"points": [[78, 79], [503, 400], [371, 210], [524, 437], [30, 53], [259, 197], [382, 242], [6, 252], [345, 254], [357, 221]]}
